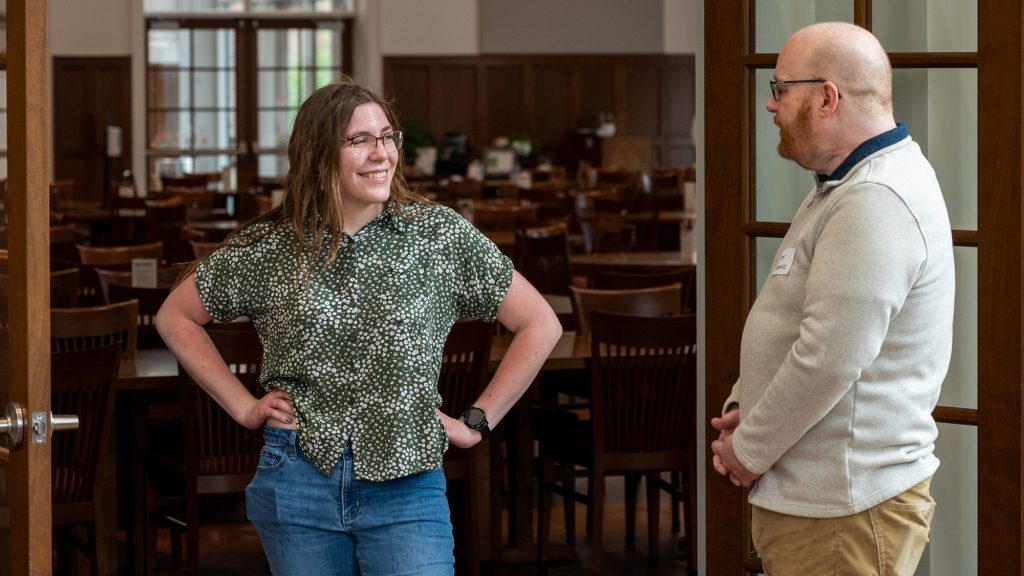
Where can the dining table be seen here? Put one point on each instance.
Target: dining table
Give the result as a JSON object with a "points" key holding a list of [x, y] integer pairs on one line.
{"points": [[631, 261]]}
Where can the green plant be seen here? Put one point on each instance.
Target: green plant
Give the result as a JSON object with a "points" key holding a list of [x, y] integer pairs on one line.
{"points": [[415, 137]]}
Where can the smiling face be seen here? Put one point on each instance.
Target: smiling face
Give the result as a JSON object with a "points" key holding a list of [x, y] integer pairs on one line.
{"points": [[366, 174]]}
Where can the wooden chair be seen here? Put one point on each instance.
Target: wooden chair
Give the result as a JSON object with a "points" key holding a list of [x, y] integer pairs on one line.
{"points": [[502, 215], [613, 280], [64, 288], [218, 457], [542, 257], [95, 326], [186, 181], [463, 375], [61, 191], [118, 255], [657, 301], [201, 249], [82, 384], [643, 386], [625, 181], [63, 239], [149, 302]]}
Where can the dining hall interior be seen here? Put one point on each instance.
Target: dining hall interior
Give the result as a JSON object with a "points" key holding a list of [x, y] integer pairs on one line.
{"points": [[618, 152]]}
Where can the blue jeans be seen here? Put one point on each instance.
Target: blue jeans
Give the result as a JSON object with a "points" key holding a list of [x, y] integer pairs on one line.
{"points": [[316, 525]]}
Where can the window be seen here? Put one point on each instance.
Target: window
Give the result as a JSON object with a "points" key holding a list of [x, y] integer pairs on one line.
{"points": [[222, 93]]}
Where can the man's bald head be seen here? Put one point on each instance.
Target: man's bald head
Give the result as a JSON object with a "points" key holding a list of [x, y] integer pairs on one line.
{"points": [[848, 55]]}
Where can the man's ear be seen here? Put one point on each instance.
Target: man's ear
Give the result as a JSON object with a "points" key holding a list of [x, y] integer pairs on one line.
{"points": [[830, 97]]}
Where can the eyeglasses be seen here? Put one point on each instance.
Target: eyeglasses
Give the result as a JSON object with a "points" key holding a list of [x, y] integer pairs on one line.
{"points": [[363, 144], [779, 86]]}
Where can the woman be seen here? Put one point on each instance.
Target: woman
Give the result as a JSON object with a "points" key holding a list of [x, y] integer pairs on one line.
{"points": [[353, 283]]}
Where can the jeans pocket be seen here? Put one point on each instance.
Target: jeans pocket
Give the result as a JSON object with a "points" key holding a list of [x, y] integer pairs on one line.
{"points": [[271, 457]]}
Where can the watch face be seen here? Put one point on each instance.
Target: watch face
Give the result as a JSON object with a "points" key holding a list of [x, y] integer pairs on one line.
{"points": [[474, 417]]}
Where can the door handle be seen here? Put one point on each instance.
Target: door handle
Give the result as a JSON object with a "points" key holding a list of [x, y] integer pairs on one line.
{"points": [[43, 425]]}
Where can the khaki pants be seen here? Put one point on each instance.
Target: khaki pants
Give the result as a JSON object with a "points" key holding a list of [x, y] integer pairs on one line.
{"points": [[886, 540]]}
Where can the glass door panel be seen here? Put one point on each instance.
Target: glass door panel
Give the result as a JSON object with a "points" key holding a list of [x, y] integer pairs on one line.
{"points": [[940, 107], [293, 62], [775, 20], [960, 389], [926, 26], [953, 550], [192, 100], [780, 184]]}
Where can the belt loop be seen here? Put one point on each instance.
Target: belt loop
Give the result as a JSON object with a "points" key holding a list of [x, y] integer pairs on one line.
{"points": [[293, 443]]}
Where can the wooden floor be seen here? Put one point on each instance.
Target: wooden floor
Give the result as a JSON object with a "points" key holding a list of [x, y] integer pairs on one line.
{"points": [[230, 547]]}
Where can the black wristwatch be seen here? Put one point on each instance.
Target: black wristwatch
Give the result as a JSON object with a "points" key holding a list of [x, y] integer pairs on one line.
{"points": [[476, 419]]}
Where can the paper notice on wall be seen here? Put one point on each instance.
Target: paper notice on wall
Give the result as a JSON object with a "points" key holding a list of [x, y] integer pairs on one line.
{"points": [[113, 141], [144, 272]]}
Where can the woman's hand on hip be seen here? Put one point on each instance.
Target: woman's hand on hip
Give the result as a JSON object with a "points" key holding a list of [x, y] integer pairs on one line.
{"points": [[274, 405], [458, 433]]}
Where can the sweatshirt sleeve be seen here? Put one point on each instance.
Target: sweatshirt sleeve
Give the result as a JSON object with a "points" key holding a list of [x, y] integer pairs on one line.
{"points": [[868, 255]]}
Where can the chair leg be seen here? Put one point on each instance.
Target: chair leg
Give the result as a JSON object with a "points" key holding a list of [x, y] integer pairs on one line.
{"points": [[192, 530], [569, 504], [597, 507], [632, 487], [544, 471], [94, 553], [677, 482], [653, 517]]}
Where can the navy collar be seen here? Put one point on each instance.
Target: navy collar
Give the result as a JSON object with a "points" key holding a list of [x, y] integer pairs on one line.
{"points": [[866, 148]]}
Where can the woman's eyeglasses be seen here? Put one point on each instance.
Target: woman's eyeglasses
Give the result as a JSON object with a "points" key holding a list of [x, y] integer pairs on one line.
{"points": [[364, 143]]}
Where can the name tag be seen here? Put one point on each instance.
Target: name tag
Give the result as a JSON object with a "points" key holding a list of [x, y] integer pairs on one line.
{"points": [[785, 262]]}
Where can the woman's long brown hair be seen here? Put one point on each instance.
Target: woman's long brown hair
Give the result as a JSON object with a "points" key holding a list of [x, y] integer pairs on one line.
{"points": [[312, 202]]}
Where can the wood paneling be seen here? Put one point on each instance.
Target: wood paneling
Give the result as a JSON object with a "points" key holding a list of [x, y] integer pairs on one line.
{"points": [[102, 89], [409, 87], [549, 98], [504, 101], [457, 109], [552, 106], [596, 92]]}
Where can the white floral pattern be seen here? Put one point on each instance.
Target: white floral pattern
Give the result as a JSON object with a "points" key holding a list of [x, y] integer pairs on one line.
{"points": [[358, 347]]}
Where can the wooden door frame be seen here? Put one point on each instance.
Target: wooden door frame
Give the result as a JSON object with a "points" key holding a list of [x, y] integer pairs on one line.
{"points": [[29, 277], [730, 232]]}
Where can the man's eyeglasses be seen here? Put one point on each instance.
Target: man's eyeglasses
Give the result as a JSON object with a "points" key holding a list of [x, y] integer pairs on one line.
{"points": [[779, 86], [364, 143]]}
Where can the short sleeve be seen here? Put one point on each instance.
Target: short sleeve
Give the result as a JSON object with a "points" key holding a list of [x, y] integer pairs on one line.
{"points": [[220, 280], [229, 280], [484, 274]]}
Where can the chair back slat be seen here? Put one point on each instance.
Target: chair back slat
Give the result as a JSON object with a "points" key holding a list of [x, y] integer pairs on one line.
{"points": [[644, 383], [81, 384], [149, 302], [615, 280], [86, 328], [107, 255], [656, 301], [542, 257], [463, 369], [215, 443]]}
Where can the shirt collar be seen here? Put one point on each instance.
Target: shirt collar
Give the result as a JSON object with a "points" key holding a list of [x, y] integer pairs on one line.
{"points": [[866, 148]]}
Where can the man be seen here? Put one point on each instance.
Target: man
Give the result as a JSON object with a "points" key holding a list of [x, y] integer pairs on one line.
{"points": [[844, 351]]}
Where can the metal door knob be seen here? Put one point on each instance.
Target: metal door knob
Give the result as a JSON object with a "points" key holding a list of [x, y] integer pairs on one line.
{"points": [[43, 425]]}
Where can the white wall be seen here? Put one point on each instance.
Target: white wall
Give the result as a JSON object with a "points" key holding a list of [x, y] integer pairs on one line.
{"points": [[435, 28], [90, 28], [683, 29]]}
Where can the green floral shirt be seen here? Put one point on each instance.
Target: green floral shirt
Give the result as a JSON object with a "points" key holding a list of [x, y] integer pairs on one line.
{"points": [[358, 347]]}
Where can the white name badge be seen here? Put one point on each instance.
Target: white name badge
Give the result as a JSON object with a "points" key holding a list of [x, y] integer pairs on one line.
{"points": [[785, 262]]}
